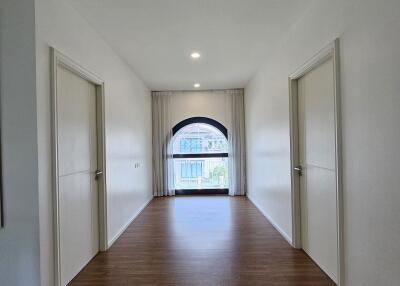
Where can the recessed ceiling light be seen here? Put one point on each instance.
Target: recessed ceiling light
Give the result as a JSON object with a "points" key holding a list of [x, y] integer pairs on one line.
{"points": [[196, 85], [195, 55]]}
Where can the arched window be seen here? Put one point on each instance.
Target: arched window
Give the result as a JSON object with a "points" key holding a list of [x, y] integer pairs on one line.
{"points": [[200, 152]]}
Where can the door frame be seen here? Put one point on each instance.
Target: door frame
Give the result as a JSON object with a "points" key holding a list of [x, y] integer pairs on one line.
{"points": [[59, 59], [331, 51]]}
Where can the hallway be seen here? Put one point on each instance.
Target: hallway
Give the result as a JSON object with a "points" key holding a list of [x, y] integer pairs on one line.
{"points": [[204, 241]]}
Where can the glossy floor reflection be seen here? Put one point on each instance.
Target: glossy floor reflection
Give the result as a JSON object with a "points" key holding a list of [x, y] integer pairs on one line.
{"points": [[201, 241]]}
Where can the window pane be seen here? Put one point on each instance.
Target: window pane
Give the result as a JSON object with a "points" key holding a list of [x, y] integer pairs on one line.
{"points": [[203, 173], [199, 138], [200, 173]]}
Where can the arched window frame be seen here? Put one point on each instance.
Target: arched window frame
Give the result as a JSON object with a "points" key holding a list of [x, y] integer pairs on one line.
{"points": [[205, 120], [223, 130]]}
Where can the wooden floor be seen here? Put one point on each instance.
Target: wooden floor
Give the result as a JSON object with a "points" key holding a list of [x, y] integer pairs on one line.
{"points": [[201, 241]]}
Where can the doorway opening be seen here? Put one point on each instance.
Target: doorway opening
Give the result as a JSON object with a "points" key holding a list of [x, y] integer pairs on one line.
{"points": [[200, 157], [315, 133], [79, 186]]}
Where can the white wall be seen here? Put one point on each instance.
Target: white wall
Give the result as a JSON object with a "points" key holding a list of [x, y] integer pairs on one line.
{"points": [[370, 69], [211, 104], [19, 240], [128, 120]]}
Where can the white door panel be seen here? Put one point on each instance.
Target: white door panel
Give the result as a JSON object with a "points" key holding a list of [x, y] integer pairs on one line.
{"points": [[317, 157], [73, 104], [316, 103], [318, 220], [77, 162], [76, 248]]}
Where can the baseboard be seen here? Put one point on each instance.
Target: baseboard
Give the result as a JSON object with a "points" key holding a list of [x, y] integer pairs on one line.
{"points": [[274, 224], [111, 242]]}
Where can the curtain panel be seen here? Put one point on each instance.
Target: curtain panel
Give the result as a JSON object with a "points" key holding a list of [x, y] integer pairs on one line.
{"points": [[162, 145], [237, 143]]}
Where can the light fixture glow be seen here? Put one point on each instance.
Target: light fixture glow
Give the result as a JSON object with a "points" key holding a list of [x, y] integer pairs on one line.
{"points": [[196, 85], [195, 55]]}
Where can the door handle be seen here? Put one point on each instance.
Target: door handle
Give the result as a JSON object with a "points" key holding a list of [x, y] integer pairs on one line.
{"points": [[97, 174], [299, 170]]}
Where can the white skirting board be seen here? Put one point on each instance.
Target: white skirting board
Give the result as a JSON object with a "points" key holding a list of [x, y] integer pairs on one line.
{"points": [[274, 224], [111, 242]]}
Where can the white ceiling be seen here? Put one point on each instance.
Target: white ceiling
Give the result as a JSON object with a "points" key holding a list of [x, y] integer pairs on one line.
{"points": [[156, 37]]}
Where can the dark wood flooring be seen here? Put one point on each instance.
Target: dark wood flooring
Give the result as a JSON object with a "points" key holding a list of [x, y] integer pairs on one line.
{"points": [[201, 241]]}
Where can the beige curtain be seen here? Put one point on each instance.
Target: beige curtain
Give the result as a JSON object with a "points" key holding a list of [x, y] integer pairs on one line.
{"points": [[237, 147], [162, 145]]}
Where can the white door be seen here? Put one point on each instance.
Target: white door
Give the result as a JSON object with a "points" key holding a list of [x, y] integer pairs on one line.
{"points": [[77, 163], [318, 160]]}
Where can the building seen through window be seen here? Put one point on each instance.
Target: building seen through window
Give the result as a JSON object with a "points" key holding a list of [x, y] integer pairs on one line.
{"points": [[200, 154]]}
